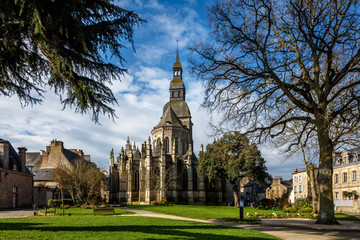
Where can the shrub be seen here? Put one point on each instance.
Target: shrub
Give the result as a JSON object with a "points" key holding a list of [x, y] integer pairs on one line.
{"points": [[266, 203], [162, 202], [58, 202]]}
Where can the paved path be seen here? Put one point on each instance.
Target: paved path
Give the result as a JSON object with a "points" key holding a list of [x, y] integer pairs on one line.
{"points": [[283, 232], [16, 213]]}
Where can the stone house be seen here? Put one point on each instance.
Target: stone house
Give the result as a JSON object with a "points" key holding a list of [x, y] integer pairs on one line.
{"points": [[253, 192], [278, 188], [301, 184], [164, 167], [346, 179], [16, 182], [43, 165]]}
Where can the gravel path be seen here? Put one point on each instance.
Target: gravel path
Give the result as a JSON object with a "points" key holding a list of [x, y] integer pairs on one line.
{"points": [[16, 213]]}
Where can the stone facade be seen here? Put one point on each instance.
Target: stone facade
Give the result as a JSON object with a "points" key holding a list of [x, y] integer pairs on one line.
{"points": [[301, 184], [43, 165], [164, 167], [346, 174], [15, 179], [278, 188]]}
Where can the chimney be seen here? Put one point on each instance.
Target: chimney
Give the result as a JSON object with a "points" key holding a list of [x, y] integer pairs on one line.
{"points": [[22, 159], [4, 150], [201, 148]]}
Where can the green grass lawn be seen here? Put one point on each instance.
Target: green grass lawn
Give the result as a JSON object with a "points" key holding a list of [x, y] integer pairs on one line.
{"points": [[118, 227], [82, 211], [206, 212], [221, 212]]}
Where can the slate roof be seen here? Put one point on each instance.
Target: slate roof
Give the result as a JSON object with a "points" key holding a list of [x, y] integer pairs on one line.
{"points": [[32, 158], [44, 174], [179, 106], [169, 118]]}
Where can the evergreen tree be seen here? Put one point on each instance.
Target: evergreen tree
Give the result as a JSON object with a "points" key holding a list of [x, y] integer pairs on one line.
{"points": [[62, 44]]}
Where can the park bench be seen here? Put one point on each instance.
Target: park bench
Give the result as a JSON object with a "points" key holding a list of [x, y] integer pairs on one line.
{"points": [[103, 210]]}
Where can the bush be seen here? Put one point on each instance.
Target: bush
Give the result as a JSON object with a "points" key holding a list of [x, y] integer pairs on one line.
{"points": [[162, 202], [58, 202], [302, 204], [266, 204]]}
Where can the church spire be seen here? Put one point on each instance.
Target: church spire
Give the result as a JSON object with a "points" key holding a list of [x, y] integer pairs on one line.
{"points": [[177, 65], [177, 88]]}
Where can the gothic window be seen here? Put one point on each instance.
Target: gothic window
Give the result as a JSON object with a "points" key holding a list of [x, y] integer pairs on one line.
{"points": [[136, 180], [176, 145], [158, 145], [195, 180], [166, 145], [185, 180]]}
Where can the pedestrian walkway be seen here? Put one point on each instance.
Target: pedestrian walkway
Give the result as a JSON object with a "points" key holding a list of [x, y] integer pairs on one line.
{"points": [[16, 213], [281, 229]]}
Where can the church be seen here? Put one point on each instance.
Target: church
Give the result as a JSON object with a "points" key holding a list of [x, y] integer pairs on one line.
{"points": [[165, 168]]}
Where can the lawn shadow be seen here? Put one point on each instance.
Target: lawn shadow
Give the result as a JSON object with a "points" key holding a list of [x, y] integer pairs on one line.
{"points": [[176, 232]]}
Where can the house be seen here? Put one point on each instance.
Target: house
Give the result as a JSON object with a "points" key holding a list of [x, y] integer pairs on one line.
{"points": [[301, 184], [16, 181], [278, 188], [43, 164], [346, 180], [253, 192]]}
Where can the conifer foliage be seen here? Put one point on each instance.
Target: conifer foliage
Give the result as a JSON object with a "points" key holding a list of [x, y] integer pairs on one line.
{"points": [[62, 43]]}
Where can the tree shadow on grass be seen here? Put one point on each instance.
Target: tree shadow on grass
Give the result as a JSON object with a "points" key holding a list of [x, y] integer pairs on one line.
{"points": [[174, 232]]}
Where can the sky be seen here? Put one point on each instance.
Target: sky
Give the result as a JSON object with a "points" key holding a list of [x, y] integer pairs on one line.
{"points": [[141, 94]]}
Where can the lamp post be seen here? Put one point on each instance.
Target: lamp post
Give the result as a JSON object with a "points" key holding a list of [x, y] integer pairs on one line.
{"points": [[241, 204]]}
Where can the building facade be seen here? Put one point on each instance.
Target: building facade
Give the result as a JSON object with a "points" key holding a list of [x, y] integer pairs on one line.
{"points": [[346, 173], [43, 164], [164, 167], [278, 188], [16, 182], [301, 184]]}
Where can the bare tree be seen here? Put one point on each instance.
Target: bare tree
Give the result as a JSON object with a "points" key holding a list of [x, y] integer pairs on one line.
{"points": [[277, 62], [294, 144], [162, 182], [83, 181]]}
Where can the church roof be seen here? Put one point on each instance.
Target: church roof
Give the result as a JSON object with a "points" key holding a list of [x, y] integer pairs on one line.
{"points": [[177, 84], [169, 118], [180, 108]]}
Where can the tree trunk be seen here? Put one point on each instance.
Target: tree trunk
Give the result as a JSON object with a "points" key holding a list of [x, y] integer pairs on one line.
{"points": [[236, 195], [314, 189], [326, 204]]}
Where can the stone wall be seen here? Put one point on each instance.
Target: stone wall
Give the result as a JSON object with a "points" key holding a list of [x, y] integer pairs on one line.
{"points": [[16, 189]]}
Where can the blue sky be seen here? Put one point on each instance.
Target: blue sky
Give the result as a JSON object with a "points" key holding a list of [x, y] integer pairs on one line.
{"points": [[141, 94]]}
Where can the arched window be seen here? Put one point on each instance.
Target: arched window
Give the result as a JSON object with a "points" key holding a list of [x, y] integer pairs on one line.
{"points": [[166, 145], [136, 180], [179, 94], [176, 145], [183, 146], [185, 180], [173, 94], [195, 180]]}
